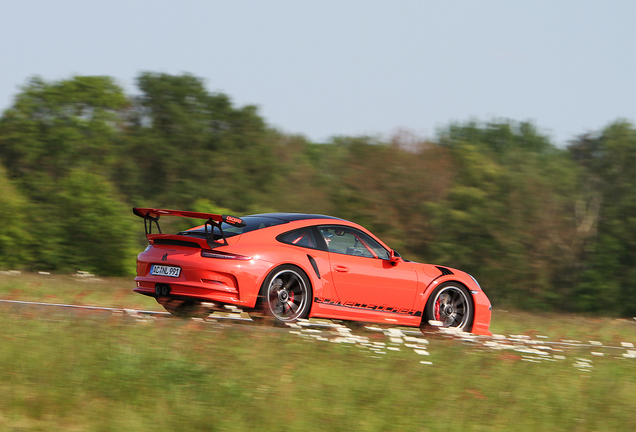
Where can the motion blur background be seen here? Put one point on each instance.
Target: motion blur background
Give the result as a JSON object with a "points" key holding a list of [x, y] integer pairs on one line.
{"points": [[496, 137]]}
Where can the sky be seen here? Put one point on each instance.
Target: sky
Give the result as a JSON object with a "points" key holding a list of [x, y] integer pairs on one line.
{"points": [[348, 67]]}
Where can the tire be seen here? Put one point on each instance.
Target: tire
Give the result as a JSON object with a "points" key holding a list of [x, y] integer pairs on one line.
{"points": [[451, 304], [286, 295]]}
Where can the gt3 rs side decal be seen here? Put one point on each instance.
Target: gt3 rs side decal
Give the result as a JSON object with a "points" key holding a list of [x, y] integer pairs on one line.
{"points": [[351, 304]]}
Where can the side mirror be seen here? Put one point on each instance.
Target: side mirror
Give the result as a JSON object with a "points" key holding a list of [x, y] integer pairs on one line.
{"points": [[394, 257]]}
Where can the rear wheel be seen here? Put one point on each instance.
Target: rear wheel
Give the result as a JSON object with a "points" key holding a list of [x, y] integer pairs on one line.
{"points": [[286, 294], [450, 305]]}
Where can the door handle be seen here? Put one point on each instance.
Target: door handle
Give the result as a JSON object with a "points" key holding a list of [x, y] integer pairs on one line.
{"points": [[341, 269]]}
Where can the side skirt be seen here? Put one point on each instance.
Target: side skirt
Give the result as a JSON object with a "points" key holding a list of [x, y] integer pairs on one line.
{"points": [[324, 310]]}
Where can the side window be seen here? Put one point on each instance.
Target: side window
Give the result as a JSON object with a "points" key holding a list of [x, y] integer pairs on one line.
{"points": [[303, 237], [350, 241]]}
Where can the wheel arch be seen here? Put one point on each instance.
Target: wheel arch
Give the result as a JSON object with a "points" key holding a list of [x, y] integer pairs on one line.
{"points": [[261, 282], [263, 307], [440, 283]]}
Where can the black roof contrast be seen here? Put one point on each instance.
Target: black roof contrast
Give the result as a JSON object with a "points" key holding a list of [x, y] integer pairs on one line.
{"points": [[289, 217], [253, 223]]}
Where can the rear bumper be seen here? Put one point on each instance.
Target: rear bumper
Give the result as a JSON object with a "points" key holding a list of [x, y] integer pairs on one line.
{"points": [[203, 279], [195, 291]]}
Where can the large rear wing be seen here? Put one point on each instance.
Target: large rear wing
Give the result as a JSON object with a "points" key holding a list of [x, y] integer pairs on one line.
{"points": [[152, 215]]}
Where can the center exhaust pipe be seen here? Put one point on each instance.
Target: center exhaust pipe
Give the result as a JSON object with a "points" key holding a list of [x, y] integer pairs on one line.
{"points": [[162, 290]]}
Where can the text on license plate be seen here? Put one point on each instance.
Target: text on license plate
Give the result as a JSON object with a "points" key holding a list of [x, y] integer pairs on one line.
{"points": [[160, 270]]}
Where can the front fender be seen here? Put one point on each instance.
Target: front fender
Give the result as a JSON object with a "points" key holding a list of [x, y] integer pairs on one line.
{"points": [[481, 303]]}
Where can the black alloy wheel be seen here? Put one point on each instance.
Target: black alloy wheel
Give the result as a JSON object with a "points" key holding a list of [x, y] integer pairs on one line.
{"points": [[287, 294], [451, 305]]}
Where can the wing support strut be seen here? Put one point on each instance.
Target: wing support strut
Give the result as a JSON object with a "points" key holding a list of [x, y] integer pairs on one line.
{"points": [[212, 221], [148, 220], [209, 233]]}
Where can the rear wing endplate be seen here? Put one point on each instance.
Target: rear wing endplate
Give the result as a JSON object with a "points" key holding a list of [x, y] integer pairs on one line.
{"points": [[152, 215]]}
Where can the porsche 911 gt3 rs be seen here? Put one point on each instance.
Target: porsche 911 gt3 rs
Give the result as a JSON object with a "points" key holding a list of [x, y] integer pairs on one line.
{"points": [[291, 266]]}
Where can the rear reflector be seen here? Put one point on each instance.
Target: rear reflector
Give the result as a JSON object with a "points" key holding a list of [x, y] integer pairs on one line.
{"points": [[224, 255]]}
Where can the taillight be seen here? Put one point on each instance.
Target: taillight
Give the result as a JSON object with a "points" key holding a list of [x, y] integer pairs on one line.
{"points": [[224, 255]]}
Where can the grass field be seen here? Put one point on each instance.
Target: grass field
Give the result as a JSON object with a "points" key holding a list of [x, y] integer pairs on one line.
{"points": [[61, 371]]}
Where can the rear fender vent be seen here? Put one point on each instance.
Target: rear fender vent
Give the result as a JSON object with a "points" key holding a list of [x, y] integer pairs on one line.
{"points": [[444, 270], [182, 243]]}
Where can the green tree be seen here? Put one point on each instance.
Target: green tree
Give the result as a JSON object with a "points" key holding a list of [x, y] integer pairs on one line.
{"points": [[53, 132], [508, 211], [189, 144], [96, 231], [301, 180], [386, 187], [55, 127], [608, 275], [15, 234]]}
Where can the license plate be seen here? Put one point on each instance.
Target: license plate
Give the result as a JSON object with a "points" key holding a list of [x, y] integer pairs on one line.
{"points": [[160, 270]]}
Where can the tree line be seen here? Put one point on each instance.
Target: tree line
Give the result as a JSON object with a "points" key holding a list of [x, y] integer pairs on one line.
{"points": [[539, 226]]}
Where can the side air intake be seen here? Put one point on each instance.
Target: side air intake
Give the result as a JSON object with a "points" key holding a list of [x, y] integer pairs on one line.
{"points": [[444, 270]]}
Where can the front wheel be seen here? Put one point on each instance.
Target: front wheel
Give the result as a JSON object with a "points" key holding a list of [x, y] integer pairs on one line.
{"points": [[450, 305], [286, 294]]}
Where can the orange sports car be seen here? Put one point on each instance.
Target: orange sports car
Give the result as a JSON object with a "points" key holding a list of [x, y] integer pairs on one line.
{"points": [[290, 266]]}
